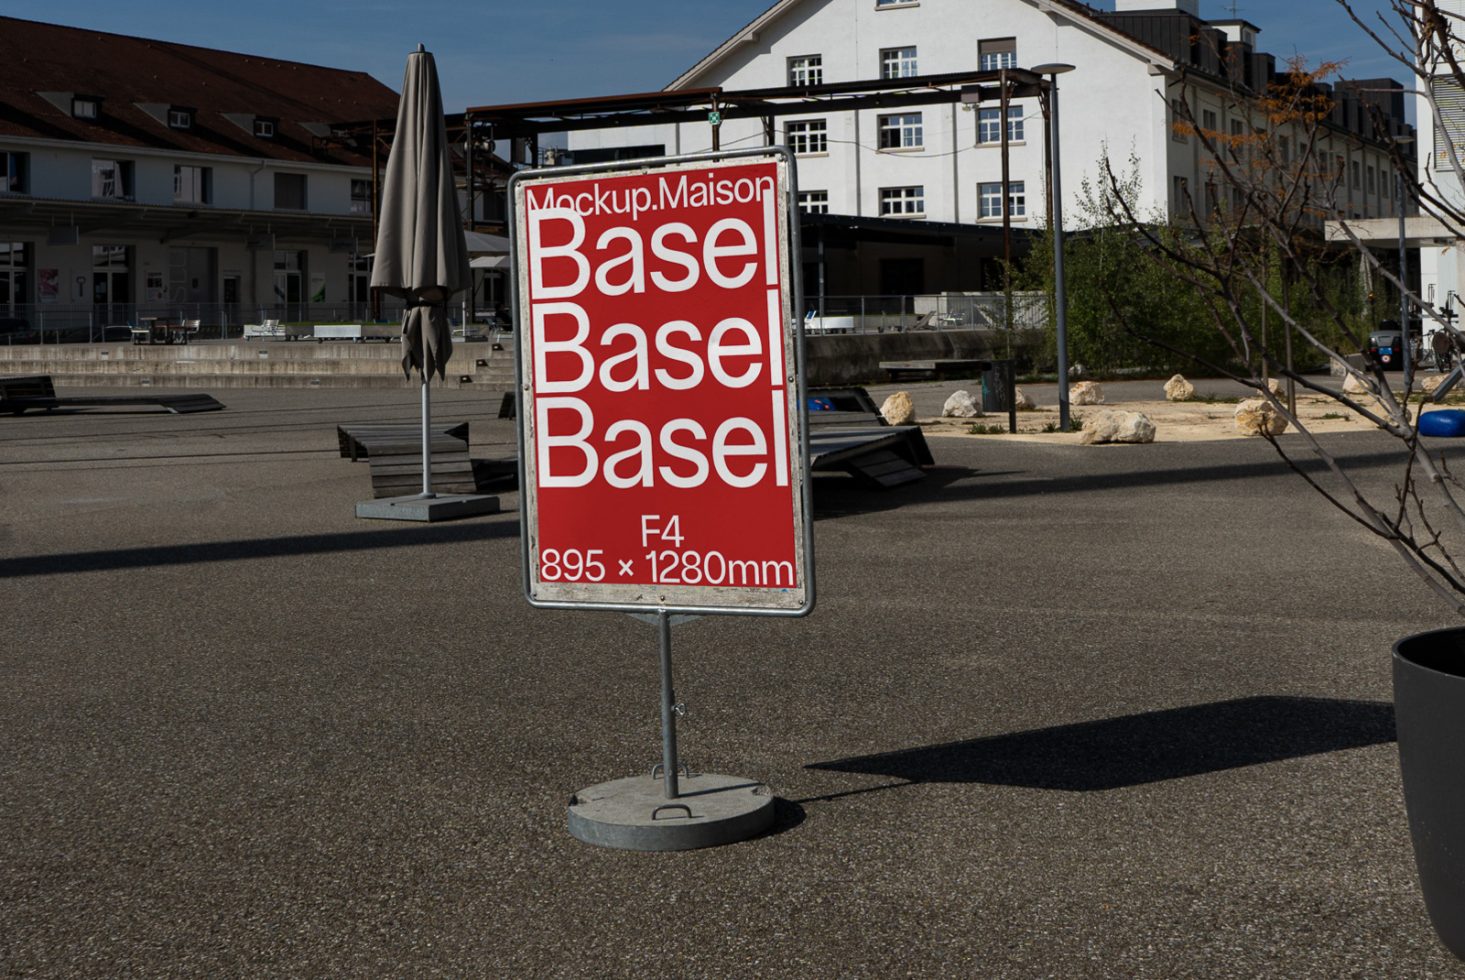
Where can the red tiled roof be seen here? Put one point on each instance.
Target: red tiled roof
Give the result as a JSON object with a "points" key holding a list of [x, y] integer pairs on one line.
{"points": [[124, 71]]}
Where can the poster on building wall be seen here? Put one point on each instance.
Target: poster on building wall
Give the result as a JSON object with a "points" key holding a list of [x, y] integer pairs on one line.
{"points": [[48, 284], [317, 287], [154, 286]]}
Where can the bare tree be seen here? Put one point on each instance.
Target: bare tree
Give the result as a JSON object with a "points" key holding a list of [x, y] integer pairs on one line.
{"points": [[1272, 202]]}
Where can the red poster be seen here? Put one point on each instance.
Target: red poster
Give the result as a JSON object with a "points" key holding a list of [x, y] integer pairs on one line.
{"points": [[660, 422]]}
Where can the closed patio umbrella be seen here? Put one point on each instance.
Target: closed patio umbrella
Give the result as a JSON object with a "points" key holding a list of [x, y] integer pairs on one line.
{"points": [[420, 251]]}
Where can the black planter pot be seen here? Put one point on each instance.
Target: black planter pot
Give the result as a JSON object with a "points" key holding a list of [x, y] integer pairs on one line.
{"points": [[1429, 708]]}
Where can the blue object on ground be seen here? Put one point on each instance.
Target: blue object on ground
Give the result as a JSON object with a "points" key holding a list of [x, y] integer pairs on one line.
{"points": [[1444, 422]]}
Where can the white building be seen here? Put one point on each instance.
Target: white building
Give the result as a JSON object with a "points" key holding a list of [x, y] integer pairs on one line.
{"points": [[142, 176], [1441, 256], [944, 163]]}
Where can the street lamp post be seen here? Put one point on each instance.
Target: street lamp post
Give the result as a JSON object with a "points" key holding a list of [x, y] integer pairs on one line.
{"points": [[1060, 289], [1404, 274]]}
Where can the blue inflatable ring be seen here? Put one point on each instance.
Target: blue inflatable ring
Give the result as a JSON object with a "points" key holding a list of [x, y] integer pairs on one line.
{"points": [[1443, 422]]}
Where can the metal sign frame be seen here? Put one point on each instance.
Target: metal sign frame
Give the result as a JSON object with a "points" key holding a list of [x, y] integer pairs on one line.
{"points": [[668, 599]]}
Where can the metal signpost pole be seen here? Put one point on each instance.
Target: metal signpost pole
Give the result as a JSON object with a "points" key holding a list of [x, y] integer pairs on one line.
{"points": [[1060, 287], [1404, 294], [668, 710]]}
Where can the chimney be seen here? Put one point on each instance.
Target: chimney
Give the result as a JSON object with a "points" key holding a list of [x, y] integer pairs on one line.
{"points": [[1191, 7]]}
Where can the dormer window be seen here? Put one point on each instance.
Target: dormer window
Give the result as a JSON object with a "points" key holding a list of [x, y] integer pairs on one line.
{"points": [[84, 107], [264, 128], [180, 118]]}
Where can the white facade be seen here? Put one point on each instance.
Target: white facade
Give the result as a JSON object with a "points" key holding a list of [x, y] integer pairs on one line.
{"points": [[1442, 267], [1117, 100], [223, 260]]}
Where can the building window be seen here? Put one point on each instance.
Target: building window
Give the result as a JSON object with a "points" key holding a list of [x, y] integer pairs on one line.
{"points": [[360, 196], [814, 202], [290, 192], [84, 107], [1179, 121], [290, 281], [1449, 98], [264, 128], [1180, 205], [989, 126], [1372, 181], [898, 63], [989, 200], [1238, 128], [1284, 150], [14, 275], [358, 278], [1213, 198], [191, 185], [112, 179], [806, 70], [111, 279], [997, 53], [1208, 121], [14, 172], [902, 131], [902, 202], [1355, 168], [808, 136], [180, 118]]}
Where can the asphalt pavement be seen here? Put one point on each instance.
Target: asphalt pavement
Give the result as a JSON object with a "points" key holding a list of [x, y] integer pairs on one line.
{"points": [[1060, 711]]}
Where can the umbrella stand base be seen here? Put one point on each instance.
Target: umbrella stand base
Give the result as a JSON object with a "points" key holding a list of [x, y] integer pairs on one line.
{"points": [[444, 507], [634, 814]]}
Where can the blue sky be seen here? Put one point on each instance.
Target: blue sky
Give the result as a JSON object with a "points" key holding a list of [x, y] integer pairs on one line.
{"points": [[498, 51]]}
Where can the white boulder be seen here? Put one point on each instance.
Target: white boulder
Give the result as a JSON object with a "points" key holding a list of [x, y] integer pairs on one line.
{"points": [[1256, 416], [1177, 389], [1086, 393], [961, 405], [1022, 401], [899, 409], [1113, 426]]}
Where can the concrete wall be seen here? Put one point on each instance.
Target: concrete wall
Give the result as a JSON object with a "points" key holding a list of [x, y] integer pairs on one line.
{"points": [[855, 358]]}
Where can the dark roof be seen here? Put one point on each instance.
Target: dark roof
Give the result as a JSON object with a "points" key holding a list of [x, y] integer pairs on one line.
{"points": [[126, 72]]}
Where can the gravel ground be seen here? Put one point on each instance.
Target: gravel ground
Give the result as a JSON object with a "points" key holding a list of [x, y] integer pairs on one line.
{"points": [[1060, 712]]}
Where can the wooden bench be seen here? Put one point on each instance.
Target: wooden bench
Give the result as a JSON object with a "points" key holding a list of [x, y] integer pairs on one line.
{"points": [[393, 451], [935, 370], [400, 474], [268, 330], [848, 434], [19, 394], [364, 441]]}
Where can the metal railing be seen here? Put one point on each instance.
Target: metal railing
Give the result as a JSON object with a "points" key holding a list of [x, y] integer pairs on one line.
{"points": [[62, 323], [926, 311], [59, 323]]}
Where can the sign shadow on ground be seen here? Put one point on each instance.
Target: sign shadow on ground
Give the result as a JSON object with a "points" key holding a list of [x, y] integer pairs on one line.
{"points": [[1133, 750]]}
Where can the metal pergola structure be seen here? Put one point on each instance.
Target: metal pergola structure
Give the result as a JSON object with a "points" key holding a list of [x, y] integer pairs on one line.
{"points": [[475, 131], [522, 124]]}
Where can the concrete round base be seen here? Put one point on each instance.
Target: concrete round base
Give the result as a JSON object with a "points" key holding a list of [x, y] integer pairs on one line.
{"points": [[634, 814]]}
